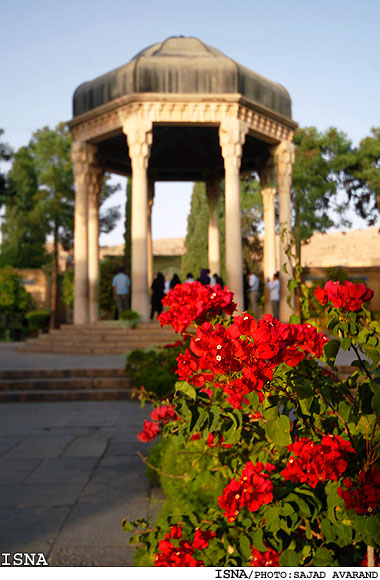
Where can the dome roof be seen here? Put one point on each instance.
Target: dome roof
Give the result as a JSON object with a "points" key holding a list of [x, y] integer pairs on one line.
{"points": [[180, 65]]}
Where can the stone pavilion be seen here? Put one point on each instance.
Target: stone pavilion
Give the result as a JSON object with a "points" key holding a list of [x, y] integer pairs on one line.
{"points": [[180, 110]]}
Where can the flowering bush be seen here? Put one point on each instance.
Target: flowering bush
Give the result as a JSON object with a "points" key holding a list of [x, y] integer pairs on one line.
{"points": [[267, 457]]}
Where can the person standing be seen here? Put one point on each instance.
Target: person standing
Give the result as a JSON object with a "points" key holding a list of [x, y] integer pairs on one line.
{"points": [[253, 294], [274, 294], [121, 285], [158, 293]]}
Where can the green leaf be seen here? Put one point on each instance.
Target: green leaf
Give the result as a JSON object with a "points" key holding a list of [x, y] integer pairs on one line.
{"points": [[257, 540], [375, 403], [245, 548], [279, 431], [330, 351], [187, 389], [289, 558], [322, 557]]}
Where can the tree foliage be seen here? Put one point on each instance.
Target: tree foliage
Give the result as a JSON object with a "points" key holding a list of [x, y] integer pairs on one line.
{"points": [[196, 256], [319, 163], [362, 178]]}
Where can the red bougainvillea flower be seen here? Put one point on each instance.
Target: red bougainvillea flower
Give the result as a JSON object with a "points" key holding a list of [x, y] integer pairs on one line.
{"points": [[313, 462], [182, 554], [251, 490], [163, 414], [244, 355], [347, 296], [264, 559], [202, 538], [363, 495], [149, 432], [193, 302], [160, 415]]}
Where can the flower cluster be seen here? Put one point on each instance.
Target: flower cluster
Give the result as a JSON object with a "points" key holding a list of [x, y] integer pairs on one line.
{"points": [[181, 554], [249, 350], [270, 558], [347, 296], [160, 416], [364, 495], [313, 462], [193, 302], [251, 490]]}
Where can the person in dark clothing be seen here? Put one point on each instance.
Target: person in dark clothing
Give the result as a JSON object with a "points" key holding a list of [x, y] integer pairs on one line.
{"points": [[158, 293], [204, 277], [216, 279], [245, 291], [174, 281]]}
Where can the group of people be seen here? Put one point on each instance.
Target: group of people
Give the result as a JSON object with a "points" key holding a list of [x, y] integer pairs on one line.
{"points": [[161, 287], [252, 293], [121, 290]]}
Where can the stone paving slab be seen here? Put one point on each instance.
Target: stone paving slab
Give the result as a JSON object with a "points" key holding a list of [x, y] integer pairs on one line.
{"points": [[70, 474]]}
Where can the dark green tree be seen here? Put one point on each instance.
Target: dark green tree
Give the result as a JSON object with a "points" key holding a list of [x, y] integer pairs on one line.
{"points": [[5, 155], [45, 188], [196, 255], [24, 226], [361, 179], [319, 163]]}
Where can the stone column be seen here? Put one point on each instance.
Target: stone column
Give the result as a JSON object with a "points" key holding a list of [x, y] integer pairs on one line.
{"points": [[96, 174], [268, 193], [232, 134], [139, 137], [83, 156], [285, 156], [150, 243], [212, 191]]}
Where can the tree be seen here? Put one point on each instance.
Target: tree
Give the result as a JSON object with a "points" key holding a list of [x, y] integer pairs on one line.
{"points": [[5, 155], [24, 227], [196, 256], [362, 178], [320, 160], [43, 202]]}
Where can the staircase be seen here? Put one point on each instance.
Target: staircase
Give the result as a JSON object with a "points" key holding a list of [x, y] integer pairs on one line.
{"points": [[100, 338], [64, 385]]}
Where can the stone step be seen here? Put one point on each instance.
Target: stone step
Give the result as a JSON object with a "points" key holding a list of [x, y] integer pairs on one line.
{"points": [[64, 395], [71, 348], [61, 373], [61, 384]]}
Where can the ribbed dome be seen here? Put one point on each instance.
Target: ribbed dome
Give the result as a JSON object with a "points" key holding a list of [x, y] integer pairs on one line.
{"points": [[180, 65]]}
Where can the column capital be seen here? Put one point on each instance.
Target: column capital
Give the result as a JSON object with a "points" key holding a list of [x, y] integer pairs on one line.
{"points": [[232, 133], [139, 134], [83, 154]]}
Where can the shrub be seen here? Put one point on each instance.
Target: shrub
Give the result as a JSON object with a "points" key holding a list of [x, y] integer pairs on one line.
{"points": [[270, 458], [38, 320]]}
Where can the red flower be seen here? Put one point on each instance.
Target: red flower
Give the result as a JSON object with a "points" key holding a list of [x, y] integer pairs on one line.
{"points": [[149, 432], [363, 496], [252, 490], [163, 414], [313, 462], [182, 555], [270, 558], [347, 296], [193, 302], [202, 538]]}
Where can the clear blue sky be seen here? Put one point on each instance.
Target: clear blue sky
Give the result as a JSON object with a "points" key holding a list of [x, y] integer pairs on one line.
{"points": [[325, 53]]}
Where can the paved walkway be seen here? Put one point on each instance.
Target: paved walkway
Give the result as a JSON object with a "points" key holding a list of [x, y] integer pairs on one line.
{"points": [[70, 471], [70, 474]]}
